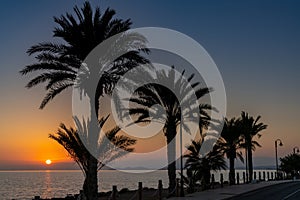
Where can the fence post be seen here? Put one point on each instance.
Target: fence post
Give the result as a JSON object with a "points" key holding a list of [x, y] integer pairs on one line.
{"points": [[254, 175], [114, 193], [237, 178], [259, 176], [268, 176], [264, 175], [140, 193], [221, 179], [160, 187], [244, 178]]}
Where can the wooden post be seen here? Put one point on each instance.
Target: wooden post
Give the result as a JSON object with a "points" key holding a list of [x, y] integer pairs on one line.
{"points": [[264, 175], [177, 187], [244, 177], [114, 193], [222, 180], [268, 176], [237, 178], [254, 175], [160, 188], [213, 181], [259, 176], [140, 193]]}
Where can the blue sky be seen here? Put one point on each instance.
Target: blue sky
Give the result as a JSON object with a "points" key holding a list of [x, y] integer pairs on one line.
{"points": [[255, 44]]}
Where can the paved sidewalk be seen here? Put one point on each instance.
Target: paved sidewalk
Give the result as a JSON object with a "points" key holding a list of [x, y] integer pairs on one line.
{"points": [[228, 191]]}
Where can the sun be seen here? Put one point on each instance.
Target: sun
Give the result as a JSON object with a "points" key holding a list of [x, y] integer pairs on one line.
{"points": [[48, 162]]}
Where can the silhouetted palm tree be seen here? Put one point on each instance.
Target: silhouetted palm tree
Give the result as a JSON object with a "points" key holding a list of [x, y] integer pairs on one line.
{"points": [[290, 164], [175, 112], [231, 142], [250, 128], [199, 166], [59, 64], [115, 145]]}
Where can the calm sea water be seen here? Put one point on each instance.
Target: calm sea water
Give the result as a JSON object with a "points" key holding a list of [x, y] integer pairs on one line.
{"points": [[27, 184]]}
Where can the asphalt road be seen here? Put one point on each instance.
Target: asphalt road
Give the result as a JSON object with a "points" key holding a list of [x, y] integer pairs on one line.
{"points": [[283, 191]]}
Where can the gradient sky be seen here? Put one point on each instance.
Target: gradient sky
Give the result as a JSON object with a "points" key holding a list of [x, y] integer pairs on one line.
{"points": [[255, 44]]}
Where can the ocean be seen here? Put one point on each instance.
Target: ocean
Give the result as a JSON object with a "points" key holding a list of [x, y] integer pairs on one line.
{"points": [[58, 183]]}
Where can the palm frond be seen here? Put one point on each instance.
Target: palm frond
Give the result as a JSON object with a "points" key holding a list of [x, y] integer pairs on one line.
{"points": [[53, 91]]}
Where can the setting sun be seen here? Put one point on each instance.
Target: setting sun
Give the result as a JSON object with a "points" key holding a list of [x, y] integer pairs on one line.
{"points": [[48, 162]]}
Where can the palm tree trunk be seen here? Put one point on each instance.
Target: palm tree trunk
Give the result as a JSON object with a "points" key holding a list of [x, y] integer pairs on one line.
{"points": [[90, 186], [206, 180], [171, 151], [190, 175], [231, 171], [250, 163]]}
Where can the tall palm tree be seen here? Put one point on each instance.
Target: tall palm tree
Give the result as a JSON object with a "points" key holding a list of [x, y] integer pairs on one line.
{"points": [[231, 142], [250, 128], [117, 146], [199, 166], [155, 94], [59, 63]]}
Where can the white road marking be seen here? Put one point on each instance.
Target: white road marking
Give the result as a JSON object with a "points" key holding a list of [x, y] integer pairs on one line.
{"points": [[290, 195]]}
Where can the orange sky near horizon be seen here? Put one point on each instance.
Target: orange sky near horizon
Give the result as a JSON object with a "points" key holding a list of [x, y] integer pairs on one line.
{"points": [[30, 142]]}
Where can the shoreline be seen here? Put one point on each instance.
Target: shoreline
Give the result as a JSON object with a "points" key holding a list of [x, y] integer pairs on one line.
{"points": [[218, 192]]}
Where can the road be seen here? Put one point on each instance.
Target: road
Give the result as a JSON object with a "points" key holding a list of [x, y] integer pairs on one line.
{"points": [[284, 191]]}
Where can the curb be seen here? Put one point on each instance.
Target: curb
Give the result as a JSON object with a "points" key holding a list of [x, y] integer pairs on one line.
{"points": [[255, 190]]}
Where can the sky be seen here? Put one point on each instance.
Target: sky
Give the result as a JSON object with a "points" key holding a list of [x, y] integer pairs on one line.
{"points": [[255, 44]]}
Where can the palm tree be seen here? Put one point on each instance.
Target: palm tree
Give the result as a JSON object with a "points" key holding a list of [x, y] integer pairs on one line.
{"points": [[290, 164], [199, 166], [156, 94], [60, 63], [250, 128], [117, 146], [231, 141]]}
